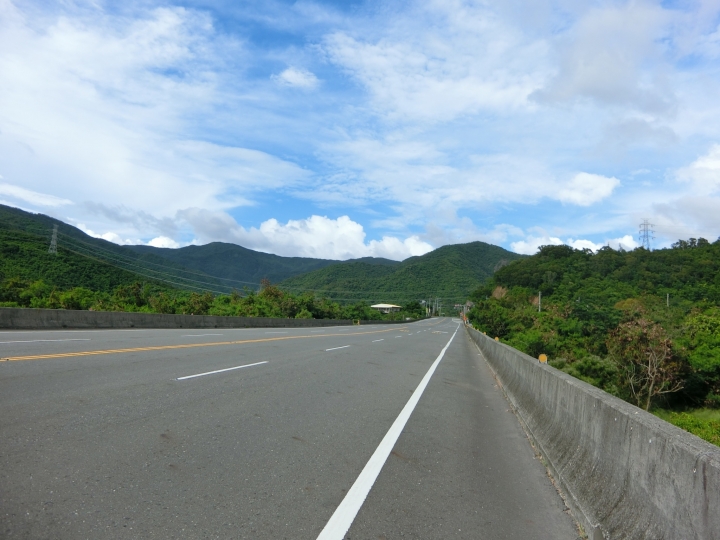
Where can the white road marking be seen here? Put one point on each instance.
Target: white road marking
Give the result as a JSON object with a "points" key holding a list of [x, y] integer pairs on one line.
{"points": [[44, 340], [220, 371], [398, 336], [376, 340], [199, 335], [276, 332], [344, 515], [336, 348]]}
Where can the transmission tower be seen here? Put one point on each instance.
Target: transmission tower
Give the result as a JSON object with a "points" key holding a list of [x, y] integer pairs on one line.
{"points": [[53, 241], [646, 233]]}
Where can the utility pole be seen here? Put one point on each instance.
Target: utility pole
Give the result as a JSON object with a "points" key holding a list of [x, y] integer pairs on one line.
{"points": [[539, 301], [667, 300], [646, 233], [53, 241]]}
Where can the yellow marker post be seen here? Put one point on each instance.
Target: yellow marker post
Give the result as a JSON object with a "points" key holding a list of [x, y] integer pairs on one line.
{"points": [[497, 339], [543, 358]]}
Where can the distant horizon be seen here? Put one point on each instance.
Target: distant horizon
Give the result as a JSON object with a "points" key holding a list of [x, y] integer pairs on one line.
{"points": [[338, 130], [619, 248]]}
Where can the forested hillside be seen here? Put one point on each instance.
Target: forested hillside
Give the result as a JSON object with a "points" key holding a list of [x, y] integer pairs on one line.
{"points": [[450, 272], [89, 273], [216, 267], [644, 325]]}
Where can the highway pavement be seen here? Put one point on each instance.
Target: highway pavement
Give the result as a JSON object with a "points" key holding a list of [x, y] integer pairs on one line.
{"points": [[363, 432]]}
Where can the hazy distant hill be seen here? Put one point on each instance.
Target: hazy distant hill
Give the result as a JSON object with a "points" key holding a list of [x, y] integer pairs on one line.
{"points": [[450, 272]]}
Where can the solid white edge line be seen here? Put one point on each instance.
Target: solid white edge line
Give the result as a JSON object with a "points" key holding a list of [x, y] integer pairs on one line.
{"points": [[376, 340], [344, 515], [220, 371], [199, 335], [336, 348]]}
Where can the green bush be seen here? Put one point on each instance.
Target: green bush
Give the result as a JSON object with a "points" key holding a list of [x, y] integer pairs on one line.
{"points": [[705, 429]]}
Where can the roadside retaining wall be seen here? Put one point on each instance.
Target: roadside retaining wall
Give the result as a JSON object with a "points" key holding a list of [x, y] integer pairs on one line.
{"points": [[52, 319], [624, 472]]}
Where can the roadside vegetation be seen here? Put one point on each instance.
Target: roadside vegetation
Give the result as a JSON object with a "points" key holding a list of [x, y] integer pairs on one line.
{"points": [[270, 301], [31, 277], [641, 325]]}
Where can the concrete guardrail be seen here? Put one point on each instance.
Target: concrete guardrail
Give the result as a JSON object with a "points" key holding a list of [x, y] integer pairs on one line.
{"points": [[624, 472], [53, 319]]}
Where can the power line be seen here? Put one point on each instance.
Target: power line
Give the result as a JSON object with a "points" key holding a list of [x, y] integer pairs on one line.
{"points": [[185, 285], [118, 261], [117, 255], [122, 262], [135, 262]]}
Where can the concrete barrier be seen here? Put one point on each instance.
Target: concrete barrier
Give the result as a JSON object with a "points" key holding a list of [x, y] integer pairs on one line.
{"points": [[624, 473], [52, 319]]}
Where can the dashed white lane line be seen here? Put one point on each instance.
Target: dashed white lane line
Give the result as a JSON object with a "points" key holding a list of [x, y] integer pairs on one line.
{"points": [[336, 348], [344, 515], [220, 371], [44, 340], [398, 336], [376, 340], [199, 335]]}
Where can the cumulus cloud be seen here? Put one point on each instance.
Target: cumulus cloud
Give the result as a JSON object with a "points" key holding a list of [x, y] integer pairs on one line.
{"points": [[299, 78], [32, 197], [585, 189], [110, 236], [163, 242], [316, 236], [531, 244]]}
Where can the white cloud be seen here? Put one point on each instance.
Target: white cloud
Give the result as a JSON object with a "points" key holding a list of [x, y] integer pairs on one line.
{"points": [[703, 173], [531, 244], [424, 112], [441, 60], [316, 236], [109, 236], [111, 108], [32, 197], [163, 242], [299, 78], [614, 55], [585, 189]]}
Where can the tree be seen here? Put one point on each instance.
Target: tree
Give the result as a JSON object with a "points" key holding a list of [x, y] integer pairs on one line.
{"points": [[643, 352]]}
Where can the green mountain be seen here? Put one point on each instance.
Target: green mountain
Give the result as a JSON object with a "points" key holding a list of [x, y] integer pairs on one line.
{"points": [[76, 246], [217, 267], [449, 272], [24, 256], [238, 266]]}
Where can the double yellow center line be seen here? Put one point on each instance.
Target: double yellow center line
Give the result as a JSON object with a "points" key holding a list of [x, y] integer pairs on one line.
{"points": [[184, 346]]}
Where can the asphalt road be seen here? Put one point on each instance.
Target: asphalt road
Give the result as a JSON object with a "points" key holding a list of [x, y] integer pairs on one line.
{"points": [[118, 434]]}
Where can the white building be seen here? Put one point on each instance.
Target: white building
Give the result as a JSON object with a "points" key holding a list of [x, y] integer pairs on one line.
{"points": [[386, 308]]}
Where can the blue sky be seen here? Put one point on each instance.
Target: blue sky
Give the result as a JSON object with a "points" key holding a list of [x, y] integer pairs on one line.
{"points": [[351, 129]]}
